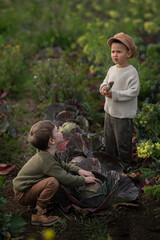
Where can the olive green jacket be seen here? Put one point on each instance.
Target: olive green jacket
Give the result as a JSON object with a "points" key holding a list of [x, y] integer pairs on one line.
{"points": [[42, 165]]}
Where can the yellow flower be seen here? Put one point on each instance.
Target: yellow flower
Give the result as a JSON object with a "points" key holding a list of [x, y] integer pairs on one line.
{"points": [[150, 27], [48, 234], [157, 145], [145, 149], [92, 69], [137, 22], [106, 25], [99, 23], [79, 6], [81, 39], [101, 36], [8, 46], [96, 7], [133, 1], [73, 46], [148, 15], [113, 14], [126, 19], [133, 11], [89, 25], [149, 1], [85, 49]]}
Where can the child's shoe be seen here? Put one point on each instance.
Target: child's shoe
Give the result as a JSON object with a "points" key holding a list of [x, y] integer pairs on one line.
{"points": [[39, 218]]}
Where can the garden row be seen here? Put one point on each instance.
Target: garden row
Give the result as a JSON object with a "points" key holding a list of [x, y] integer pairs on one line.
{"points": [[56, 50]]}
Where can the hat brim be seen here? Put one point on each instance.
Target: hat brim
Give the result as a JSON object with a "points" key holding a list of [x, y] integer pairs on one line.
{"points": [[112, 39]]}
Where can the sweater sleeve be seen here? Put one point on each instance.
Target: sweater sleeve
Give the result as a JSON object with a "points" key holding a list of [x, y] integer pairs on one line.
{"points": [[131, 91], [105, 81], [62, 172]]}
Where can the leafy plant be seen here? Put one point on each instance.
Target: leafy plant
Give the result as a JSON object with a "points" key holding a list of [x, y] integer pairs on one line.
{"points": [[55, 80], [92, 228], [9, 224], [12, 69], [147, 173], [10, 149], [148, 121], [148, 149], [153, 191], [60, 226]]}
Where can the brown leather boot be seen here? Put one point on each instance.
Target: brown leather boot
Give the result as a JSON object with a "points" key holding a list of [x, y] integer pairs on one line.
{"points": [[39, 218]]}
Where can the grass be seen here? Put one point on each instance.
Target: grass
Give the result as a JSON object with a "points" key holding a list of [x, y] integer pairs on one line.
{"points": [[54, 50]]}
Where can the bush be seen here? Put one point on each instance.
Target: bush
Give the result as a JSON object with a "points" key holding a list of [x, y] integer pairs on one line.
{"points": [[56, 81], [12, 69], [148, 121]]}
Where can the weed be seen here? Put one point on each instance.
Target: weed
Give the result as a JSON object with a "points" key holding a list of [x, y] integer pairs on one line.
{"points": [[147, 173], [60, 227], [9, 225], [12, 69], [55, 80], [148, 121], [93, 228], [10, 148], [153, 191]]}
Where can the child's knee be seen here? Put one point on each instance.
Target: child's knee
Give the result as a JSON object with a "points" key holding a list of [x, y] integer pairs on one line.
{"points": [[53, 182]]}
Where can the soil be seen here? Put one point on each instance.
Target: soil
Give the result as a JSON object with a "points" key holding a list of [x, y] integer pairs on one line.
{"points": [[139, 221], [122, 221]]}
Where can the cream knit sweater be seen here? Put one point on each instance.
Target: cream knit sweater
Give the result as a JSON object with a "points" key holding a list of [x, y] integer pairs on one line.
{"points": [[125, 90]]}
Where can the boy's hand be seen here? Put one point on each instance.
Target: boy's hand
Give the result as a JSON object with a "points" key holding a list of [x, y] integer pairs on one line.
{"points": [[104, 93], [108, 94], [90, 179], [85, 173]]}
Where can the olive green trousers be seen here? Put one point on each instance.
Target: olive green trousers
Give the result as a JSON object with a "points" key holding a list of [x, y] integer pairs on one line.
{"points": [[118, 137]]}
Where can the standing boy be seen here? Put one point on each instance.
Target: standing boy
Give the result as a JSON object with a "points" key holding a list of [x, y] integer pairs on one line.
{"points": [[39, 179], [121, 100]]}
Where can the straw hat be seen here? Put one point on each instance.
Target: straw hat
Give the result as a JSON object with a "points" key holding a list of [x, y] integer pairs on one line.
{"points": [[126, 40]]}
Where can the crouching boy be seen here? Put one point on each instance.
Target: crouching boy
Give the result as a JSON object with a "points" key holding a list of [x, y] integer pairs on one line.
{"points": [[39, 179]]}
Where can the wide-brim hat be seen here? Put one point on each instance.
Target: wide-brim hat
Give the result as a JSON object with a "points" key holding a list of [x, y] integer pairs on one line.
{"points": [[126, 40]]}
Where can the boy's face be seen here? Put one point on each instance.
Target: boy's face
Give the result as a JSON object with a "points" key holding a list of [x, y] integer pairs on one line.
{"points": [[57, 136], [120, 54]]}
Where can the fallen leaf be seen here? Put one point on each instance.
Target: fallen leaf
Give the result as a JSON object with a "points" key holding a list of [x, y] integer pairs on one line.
{"points": [[6, 168]]}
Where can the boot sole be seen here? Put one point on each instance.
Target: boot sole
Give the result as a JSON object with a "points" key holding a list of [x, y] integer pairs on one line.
{"points": [[44, 224]]}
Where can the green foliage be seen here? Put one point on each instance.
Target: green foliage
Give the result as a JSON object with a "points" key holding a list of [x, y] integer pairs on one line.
{"points": [[29, 28], [149, 75], [148, 149], [75, 26], [60, 226], [153, 191], [12, 69], [55, 80], [148, 125], [148, 121], [147, 173], [92, 228], [10, 149], [9, 224]]}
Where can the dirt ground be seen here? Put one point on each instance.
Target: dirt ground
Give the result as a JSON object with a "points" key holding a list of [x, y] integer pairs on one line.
{"points": [[137, 222]]}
